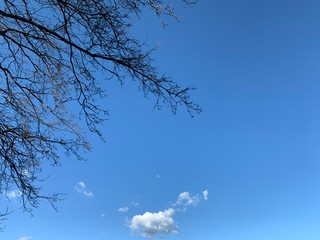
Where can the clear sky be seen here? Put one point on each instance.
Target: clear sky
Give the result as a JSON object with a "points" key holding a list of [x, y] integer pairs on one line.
{"points": [[246, 168]]}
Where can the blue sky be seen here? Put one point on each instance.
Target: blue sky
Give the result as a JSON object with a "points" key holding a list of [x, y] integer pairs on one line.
{"points": [[254, 150]]}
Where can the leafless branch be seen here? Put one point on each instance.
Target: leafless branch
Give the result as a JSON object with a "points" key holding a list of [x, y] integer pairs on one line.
{"points": [[54, 56]]}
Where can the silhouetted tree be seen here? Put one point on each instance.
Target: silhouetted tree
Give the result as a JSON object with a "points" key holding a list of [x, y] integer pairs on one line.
{"points": [[53, 56]]}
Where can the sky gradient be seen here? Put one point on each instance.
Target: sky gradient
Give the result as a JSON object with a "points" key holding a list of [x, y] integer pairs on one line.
{"points": [[246, 168]]}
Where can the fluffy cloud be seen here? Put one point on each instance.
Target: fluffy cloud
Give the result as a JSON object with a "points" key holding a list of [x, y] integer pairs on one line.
{"points": [[25, 238], [123, 209], [81, 188], [205, 194], [150, 224], [14, 194]]}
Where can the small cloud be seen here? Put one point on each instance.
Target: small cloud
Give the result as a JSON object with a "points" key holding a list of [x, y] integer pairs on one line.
{"points": [[102, 215], [123, 209], [13, 195], [185, 199], [205, 194], [150, 224], [157, 176], [135, 204], [25, 238], [103, 231], [82, 189], [26, 172]]}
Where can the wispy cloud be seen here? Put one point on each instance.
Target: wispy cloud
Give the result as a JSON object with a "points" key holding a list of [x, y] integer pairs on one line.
{"points": [[150, 224], [123, 209], [82, 189], [25, 238], [13, 195], [185, 199], [135, 204], [205, 194]]}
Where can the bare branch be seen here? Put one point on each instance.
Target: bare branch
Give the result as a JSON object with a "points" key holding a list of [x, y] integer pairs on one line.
{"points": [[54, 56]]}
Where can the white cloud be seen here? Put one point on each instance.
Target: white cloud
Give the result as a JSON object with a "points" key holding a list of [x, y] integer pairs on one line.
{"points": [[185, 199], [81, 188], [25, 238], [205, 194], [26, 172], [14, 194], [150, 224], [123, 209]]}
